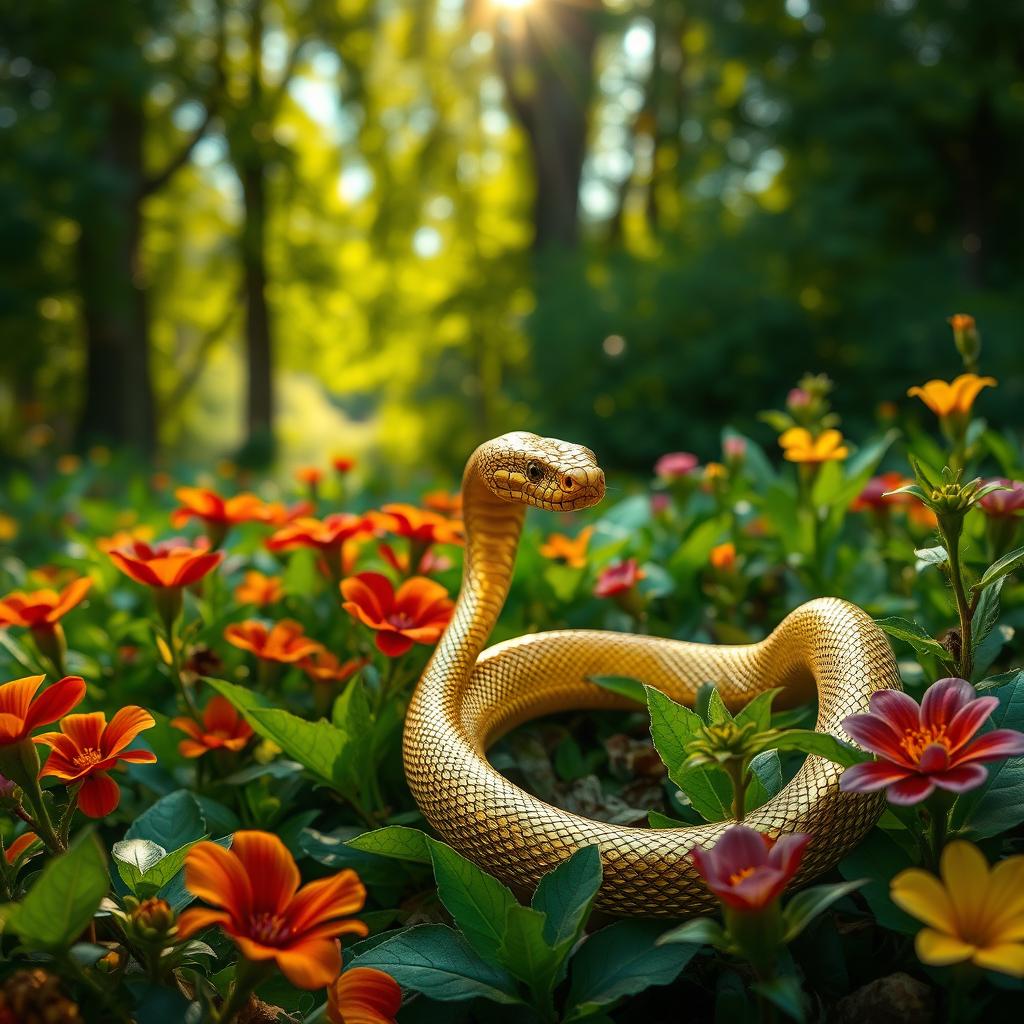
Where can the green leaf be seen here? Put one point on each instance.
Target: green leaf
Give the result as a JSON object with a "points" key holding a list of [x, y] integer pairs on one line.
{"points": [[351, 716], [134, 858], [478, 902], [61, 903], [766, 779], [658, 820], [911, 633], [1000, 568], [822, 744], [717, 711], [1015, 675], [785, 993], [243, 698], [701, 931], [879, 858], [807, 904], [172, 822], [622, 685], [759, 710], [566, 894], [437, 961], [621, 960], [525, 953], [986, 615], [930, 556], [396, 841], [317, 746]]}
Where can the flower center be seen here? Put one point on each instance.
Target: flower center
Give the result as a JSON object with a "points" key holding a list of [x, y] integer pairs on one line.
{"points": [[401, 620], [269, 929], [88, 757], [916, 741], [738, 876]]}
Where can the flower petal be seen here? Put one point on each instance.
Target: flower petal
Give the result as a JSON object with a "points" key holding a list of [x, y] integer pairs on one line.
{"points": [[969, 719], [899, 709], [270, 867], [870, 776], [965, 875], [944, 699], [993, 746], [99, 795], [197, 918], [55, 702], [339, 895], [124, 727], [1007, 957], [911, 790], [217, 876], [923, 896], [313, 964], [960, 779], [877, 735], [939, 949], [84, 732]]}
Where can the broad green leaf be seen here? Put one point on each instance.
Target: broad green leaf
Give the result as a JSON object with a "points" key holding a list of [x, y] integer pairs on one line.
{"points": [[658, 820], [879, 858], [621, 960], [477, 901], [766, 779], [351, 716], [1015, 675], [332, 849], [807, 904], [317, 746], [785, 993], [171, 822], [717, 711], [437, 961], [913, 634], [396, 841], [1010, 562], [526, 954], [823, 744], [701, 931], [986, 615], [134, 858], [566, 894], [759, 710], [930, 556], [242, 697], [61, 903], [622, 685]]}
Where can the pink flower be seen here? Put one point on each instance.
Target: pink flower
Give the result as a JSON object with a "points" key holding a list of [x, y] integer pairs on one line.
{"points": [[675, 465], [747, 870], [734, 448], [660, 503], [1004, 504], [921, 747], [798, 398], [618, 578]]}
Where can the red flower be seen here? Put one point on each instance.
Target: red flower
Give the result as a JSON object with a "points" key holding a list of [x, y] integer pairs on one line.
{"points": [[19, 846], [20, 713], [223, 727], [343, 464], [171, 563], [675, 465], [324, 667], [363, 995], [921, 747], [419, 525], [873, 499], [746, 870], [87, 748], [42, 609], [618, 578], [204, 504], [418, 612], [333, 537], [285, 641], [265, 913], [1004, 504]]}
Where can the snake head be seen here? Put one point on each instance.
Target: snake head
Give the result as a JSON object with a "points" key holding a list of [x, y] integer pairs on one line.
{"points": [[541, 471]]}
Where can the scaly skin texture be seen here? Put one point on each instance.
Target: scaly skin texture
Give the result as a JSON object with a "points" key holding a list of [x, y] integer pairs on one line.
{"points": [[466, 700]]}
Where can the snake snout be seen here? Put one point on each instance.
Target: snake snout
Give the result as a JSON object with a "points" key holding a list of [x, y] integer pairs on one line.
{"points": [[579, 481]]}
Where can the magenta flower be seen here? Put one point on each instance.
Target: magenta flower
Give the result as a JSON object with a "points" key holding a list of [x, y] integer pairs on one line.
{"points": [[618, 578], [1004, 504], [798, 398], [734, 447], [675, 465], [747, 870], [921, 747]]}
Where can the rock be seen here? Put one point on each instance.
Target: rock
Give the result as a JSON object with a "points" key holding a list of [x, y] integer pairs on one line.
{"points": [[895, 999]]}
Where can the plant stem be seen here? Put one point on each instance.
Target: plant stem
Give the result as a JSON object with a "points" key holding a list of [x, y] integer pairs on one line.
{"points": [[247, 976], [963, 605], [740, 778]]}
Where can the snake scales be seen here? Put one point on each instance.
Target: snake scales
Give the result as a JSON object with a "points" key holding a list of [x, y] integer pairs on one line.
{"points": [[466, 700]]}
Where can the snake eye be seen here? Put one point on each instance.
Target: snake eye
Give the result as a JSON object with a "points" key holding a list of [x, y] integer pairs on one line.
{"points": [[534, 472]]}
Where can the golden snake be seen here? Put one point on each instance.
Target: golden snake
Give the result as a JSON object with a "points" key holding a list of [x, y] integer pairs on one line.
{"points": [[466, 700]]}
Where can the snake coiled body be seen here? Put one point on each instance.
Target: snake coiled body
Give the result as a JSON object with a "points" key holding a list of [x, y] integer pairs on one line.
{"points": [[467, 699]]}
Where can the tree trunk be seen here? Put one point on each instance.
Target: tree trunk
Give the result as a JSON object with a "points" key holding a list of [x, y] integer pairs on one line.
{"points": [[119, 393], [546, 60]]}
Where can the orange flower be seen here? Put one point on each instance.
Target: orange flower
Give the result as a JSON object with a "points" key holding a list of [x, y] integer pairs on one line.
{"points": [[961, 322], [363, 995], [223, 727], [343, 464], [334, 537], [799, 445], [265, 913], [87, 748], [443, 502], [20, 714], [218, 512], [125, 538], [171, 563], [42, 609], [954, 398], [324, 667], [417, 613], [429, 562], [723, 557], [566, 550], [259, 589], [309, 475], [19, 846], [285, 641], [419, 525]]}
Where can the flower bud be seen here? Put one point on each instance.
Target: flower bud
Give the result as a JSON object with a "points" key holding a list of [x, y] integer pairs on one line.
{"points": [[151, 921], [966, 338]]}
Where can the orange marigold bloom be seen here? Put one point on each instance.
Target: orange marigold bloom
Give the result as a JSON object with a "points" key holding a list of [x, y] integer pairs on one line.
{"points": [[799, 445], [87, 748], [42, 609], [363, 995], [171, 563], [324, 667], [420, 525], [953, 398], [723, 557], [20, 713], [417, 613], [567, 550], [19, 846], [443, 502], [309, 475], [343, 463], [223, 727], [265, 913], [285, 641], [212, 509], [258, 589]]}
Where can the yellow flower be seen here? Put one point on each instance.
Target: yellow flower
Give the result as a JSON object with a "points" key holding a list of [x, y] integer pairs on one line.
{"points": [[8, 527], [973, 913], [953, 397], [799, 445]]}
